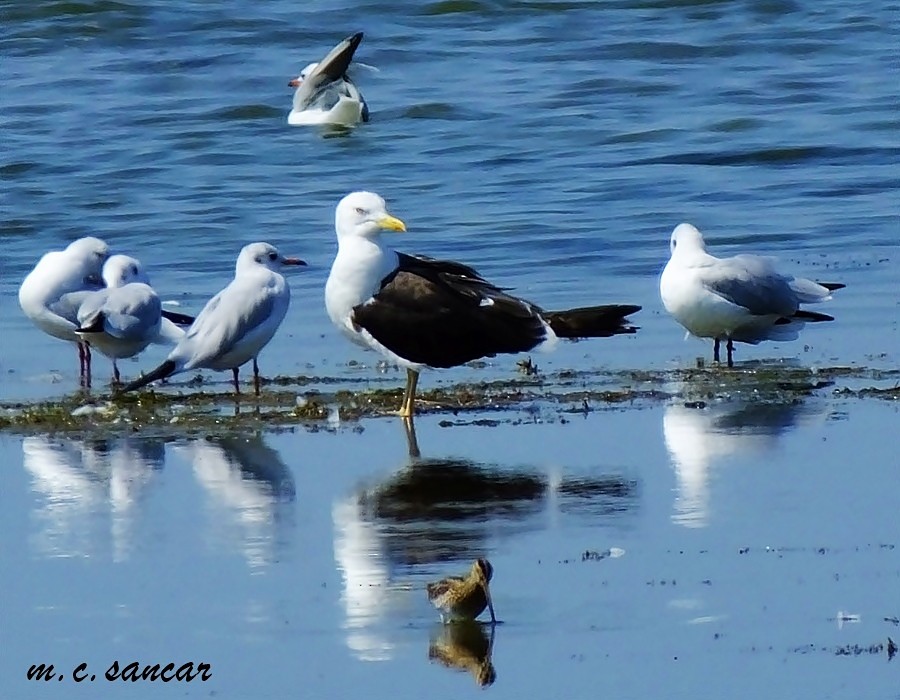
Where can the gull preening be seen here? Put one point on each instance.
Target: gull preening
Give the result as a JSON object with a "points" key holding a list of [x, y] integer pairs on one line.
{"points": [[237, 323], [325, 94], [420, 312], [742, 298], [54, 290], [124, 318]]}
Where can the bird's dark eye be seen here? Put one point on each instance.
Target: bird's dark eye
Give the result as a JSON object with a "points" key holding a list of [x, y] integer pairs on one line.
{"points": [[273, 256], [360, 211]]}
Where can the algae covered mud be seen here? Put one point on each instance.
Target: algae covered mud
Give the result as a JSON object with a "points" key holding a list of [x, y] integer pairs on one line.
{"points": [[190, 406], [651, 534]]}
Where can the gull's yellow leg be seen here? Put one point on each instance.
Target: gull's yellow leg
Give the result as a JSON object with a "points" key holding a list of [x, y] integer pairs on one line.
{"points": [[408, 407]]}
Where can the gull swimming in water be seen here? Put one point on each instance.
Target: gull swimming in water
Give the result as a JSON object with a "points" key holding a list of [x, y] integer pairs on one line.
{"points": [[124, 318], [237, 323], [54, 290], [420, 312], [325, 94], [742, 298]]}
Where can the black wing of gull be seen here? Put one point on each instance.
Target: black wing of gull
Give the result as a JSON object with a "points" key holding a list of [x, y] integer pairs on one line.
{"points": [[442, 313], [330, 69]]}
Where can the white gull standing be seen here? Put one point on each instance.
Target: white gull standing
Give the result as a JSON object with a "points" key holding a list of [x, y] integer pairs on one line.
{"points": [[742, 298], [237, 323], [420, 312], [53, 291], [124, 318], [325, 94]]}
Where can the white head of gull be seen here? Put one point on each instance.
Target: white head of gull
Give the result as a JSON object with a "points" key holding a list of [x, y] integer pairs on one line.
{"points": [[741, 298], [419, 312]]}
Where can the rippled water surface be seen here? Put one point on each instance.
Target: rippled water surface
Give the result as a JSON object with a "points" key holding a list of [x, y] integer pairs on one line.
{"points": [[553, 145]]}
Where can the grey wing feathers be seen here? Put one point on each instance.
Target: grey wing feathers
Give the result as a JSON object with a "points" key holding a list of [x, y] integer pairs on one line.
{"points": [[224, 321], [751, 282]]}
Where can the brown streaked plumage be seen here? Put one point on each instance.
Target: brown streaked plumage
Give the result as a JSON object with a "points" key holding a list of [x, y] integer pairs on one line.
{"points": [[464, 597]]}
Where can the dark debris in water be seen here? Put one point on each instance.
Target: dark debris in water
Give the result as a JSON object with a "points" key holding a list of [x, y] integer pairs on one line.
{"points": [[888, 648], [303, 400]]}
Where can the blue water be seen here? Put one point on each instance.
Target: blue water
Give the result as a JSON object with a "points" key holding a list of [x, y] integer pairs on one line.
{"points": [[554, 145], [750, 542]]}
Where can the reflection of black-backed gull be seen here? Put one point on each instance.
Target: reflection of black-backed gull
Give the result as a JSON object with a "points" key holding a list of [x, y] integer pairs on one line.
{"points": [[420, 312]]}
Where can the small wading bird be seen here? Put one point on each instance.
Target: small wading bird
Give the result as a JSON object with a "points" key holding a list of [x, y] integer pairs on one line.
{"points": [[237, 323], [325, 94], [464, 597], [53, 291], [742, 298], [124, 318], [420, 312]]}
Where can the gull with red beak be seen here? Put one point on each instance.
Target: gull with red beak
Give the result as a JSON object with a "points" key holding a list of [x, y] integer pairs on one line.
{"points": [[237, 323], [325, 94]]}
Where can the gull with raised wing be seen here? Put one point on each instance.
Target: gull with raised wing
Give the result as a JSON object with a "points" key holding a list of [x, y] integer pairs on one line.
{"points": [[325, 94], [742, 298], [237, 323]]}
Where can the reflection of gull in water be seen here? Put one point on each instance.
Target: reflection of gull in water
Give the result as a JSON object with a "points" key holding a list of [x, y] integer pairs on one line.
{"points": [[361, 558], [249, 485], [442, 510], [466, 646], [78, 478], [697, 438]]}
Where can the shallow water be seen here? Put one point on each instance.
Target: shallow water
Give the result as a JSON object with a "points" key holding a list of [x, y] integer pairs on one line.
{"points": [[552, 144], [740, 540], [746, 548]]}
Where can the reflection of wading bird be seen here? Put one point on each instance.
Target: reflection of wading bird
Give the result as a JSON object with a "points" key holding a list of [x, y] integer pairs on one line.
{"points": [[465, 646], [325, 94], [420, 312], [741, 298], [237, 323], [464, 597]]}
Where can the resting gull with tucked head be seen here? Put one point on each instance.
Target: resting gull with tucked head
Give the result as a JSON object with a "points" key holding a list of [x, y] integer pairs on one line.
{"points": [[124, 318]]}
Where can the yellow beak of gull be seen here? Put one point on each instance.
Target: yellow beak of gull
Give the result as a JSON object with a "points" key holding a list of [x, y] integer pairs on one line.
{"points": [[391, 223]]}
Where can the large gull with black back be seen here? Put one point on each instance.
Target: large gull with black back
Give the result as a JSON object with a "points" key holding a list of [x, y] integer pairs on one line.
{"points": [[325, 94], [742, 298], [420, 312]]}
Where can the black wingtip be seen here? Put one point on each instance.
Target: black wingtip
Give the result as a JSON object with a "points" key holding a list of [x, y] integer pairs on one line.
{"points": [[161, 372], [811, 316], [832, 286], [94, 325], [177, 318], [593, 321]]}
